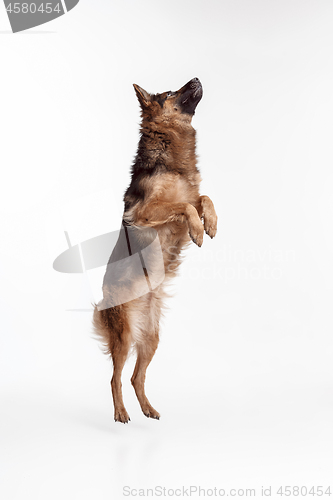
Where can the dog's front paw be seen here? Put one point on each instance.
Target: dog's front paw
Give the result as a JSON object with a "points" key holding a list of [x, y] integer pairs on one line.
{"points": [[196, 232], [210, 224]]}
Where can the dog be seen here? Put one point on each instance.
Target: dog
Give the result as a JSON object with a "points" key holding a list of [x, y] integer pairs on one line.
{"points": [[162, 198]]}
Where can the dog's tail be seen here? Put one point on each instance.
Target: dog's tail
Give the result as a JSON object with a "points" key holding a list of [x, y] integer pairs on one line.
{"points": [[101, 329]]}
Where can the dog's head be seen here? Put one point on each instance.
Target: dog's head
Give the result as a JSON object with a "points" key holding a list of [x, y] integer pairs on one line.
{"points": [[170, 105]]}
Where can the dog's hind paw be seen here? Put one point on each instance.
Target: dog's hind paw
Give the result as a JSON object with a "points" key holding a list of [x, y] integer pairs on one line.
{"points": [[149, 411], [121, 415]]}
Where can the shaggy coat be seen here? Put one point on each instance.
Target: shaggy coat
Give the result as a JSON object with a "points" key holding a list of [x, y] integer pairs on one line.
{"points": [[163, 195]]}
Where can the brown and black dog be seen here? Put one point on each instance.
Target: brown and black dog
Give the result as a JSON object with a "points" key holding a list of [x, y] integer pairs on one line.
{"points": [[163, 195]]}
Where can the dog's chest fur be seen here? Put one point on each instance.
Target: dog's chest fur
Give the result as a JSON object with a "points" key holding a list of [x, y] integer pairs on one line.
{"points": [[173, 187], [173, 235]]}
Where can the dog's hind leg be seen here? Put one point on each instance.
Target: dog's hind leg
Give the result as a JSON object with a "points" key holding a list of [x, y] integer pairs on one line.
{"points": [[146, 351], [119, 355], [111, 326]]}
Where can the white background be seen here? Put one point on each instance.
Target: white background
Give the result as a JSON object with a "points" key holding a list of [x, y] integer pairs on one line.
{"points": [[243, 376]]}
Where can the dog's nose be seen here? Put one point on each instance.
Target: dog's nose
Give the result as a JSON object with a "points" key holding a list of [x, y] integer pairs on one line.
{"points": [[194, 83]]}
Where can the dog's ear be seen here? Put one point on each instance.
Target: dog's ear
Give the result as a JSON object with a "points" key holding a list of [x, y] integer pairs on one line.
{"points": [[142, 95]]}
